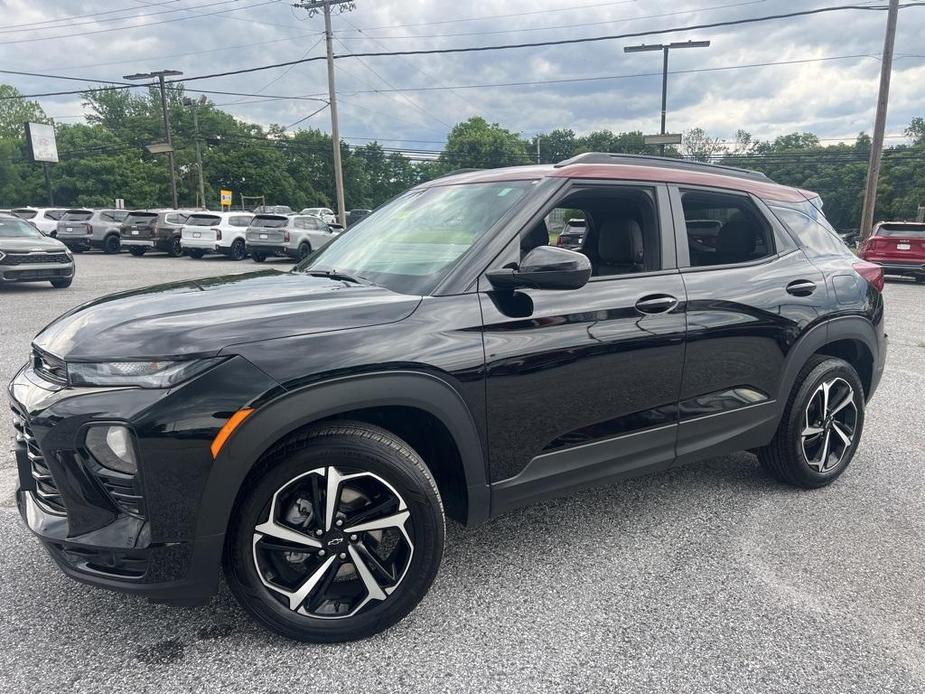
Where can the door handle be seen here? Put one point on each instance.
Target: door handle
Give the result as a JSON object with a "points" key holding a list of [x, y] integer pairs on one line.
{"points": [[801, 287], [656, 303]]}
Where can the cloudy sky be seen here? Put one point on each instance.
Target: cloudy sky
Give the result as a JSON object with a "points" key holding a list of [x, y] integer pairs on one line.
{"points": [[824, 80]]}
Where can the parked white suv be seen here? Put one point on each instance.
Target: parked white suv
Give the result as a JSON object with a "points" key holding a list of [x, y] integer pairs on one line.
{"points": [[45, 219], [325, 213], [216, 232], [295, 236]]}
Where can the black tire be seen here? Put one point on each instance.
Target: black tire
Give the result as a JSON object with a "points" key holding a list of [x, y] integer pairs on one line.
{"points": [[920, 279], [258, 257], [196, 253], [111, 244], [61, 284], [78, 250], [238, 250], [785, 458], [305, 250], [355, 447], [174, 249], [137, 251]]}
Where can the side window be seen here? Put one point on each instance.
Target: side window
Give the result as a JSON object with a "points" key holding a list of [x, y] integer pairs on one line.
{"points": [[724, 229], [616, 227], [813, 236], [240, 221], [313, 224]]}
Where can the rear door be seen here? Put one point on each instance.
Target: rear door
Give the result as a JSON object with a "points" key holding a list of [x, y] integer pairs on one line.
{"points": [[750, 293], [582, 385]]}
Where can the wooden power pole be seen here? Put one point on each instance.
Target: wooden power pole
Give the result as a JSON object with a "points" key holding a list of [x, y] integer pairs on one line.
{"points": [[876, 147]]}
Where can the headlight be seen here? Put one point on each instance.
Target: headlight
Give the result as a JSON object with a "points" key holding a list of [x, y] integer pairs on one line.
{"points": [[2, 255], [112, 447], [140, 374]]}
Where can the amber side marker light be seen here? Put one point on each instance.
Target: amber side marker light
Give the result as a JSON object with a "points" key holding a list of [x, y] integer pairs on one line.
{"points": [[233, 422]]}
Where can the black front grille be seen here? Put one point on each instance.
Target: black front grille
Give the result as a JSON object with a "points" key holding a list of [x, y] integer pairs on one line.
{"points": [[49, 367], [35, 258], [46, 491]]}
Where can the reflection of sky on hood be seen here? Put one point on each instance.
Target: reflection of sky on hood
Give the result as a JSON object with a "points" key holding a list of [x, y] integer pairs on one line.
{"points": [[833, 98]]}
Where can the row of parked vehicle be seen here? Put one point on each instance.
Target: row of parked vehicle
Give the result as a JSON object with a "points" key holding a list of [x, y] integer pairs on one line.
{"points": [[267, 232]]}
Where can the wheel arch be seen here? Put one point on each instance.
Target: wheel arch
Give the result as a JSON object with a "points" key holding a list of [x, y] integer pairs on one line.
{"points": [[851, 338], [357, 398]]}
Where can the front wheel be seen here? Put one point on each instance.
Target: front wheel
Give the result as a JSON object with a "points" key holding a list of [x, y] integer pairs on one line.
{"points": [[259, 257], [238, 250], [174, 248], [196, 253], [137, 251], [920, 279], [821, 427], [111, 244], [340, 537]]}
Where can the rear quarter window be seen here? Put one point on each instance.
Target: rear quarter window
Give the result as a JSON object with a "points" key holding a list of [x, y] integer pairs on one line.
{"points": [[240, 221], [815, 238]]}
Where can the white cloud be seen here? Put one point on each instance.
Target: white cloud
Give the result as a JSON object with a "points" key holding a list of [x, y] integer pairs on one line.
{"points": [[833, 98]]}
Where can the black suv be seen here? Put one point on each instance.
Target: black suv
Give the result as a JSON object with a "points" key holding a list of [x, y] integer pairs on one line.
{"points": [[308, 430]]}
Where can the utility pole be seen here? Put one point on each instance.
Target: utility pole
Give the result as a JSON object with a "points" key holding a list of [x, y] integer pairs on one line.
{"points": [[664, 48], [538, 148], [324, 6], [161, 74], [876, 146], [194, 105]]}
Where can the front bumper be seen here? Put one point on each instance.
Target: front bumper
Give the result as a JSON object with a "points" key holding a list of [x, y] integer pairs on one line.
{"points": [[149, 546], [36, 272]]}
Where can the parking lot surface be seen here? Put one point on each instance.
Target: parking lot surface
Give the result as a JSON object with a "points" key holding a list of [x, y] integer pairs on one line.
{"points": [[708, 578]]}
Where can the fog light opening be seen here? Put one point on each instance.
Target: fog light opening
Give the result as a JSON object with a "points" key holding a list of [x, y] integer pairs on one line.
{"points": [[112, 447]]}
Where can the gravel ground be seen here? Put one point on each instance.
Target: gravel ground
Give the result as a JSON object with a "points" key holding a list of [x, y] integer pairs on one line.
{"points": [[710, 578]]}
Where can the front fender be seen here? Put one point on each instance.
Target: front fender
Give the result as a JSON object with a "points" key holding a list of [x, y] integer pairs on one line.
{"points": [[294, 409]]}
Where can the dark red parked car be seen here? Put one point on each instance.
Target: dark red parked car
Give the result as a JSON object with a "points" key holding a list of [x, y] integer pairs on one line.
{"points": [[898, 247]]}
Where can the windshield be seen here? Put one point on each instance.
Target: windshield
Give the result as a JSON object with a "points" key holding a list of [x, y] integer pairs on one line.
{"points": [[412, 242], [913, 230], [25, 213], [202, 220], [15, 228], [77, 215]]}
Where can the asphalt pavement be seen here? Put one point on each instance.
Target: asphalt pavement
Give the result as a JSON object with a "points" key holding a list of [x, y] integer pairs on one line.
{"points": [[708, 578]]}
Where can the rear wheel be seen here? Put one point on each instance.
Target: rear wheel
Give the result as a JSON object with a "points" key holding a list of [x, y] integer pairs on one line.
{"points": [[174, 249], [258, 257], [111, 244], [920, 279], [137, 251], [304, 251], [238, 250], [339, 538], [196, 253], [821, 427]]}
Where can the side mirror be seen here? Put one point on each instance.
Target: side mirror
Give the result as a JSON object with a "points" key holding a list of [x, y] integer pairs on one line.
{"points": [[545, 267]]}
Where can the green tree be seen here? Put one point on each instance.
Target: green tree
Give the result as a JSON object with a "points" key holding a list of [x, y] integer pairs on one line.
{"points": [[478, 144]]}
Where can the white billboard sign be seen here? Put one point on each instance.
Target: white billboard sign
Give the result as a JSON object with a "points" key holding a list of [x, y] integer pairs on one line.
{"points": [[42, 142]]}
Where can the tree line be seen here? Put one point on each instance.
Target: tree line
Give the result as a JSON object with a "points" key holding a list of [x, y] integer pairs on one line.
{"points": [[105, 158]]}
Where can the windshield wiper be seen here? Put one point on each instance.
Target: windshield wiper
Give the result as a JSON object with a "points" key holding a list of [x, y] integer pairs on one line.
{"points": [[338, 275]]}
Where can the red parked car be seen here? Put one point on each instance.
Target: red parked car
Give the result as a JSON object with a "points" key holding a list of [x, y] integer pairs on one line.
{"points": [[898, 247]]}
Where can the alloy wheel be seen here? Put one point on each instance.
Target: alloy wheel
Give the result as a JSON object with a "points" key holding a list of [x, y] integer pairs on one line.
{"points": [[334, 541], [829, 424]]}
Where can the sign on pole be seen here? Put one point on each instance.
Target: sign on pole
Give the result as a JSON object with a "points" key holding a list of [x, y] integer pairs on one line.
{"points": [[666, 139], [42, 144], [226, 197]]}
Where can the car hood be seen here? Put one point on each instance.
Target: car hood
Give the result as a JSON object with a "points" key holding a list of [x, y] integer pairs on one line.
{"points": [[21, 244], [202, 317]]}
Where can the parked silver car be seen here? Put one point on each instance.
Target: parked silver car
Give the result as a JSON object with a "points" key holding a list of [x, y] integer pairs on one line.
{"points": [[27, 255], [82, 229], [295, 236]]}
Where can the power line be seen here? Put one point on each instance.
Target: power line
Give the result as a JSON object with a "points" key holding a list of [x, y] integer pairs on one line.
{"points": [[81, 16], [145, 25]]}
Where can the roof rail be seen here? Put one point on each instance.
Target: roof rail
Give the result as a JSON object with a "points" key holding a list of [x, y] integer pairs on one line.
{"points": [[456, 171], [662, 162]]}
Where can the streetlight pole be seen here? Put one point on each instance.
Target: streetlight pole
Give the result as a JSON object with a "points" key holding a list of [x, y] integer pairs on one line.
{"points": [[664, 48], [194, 105], [324, 6], [161, 74]]}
